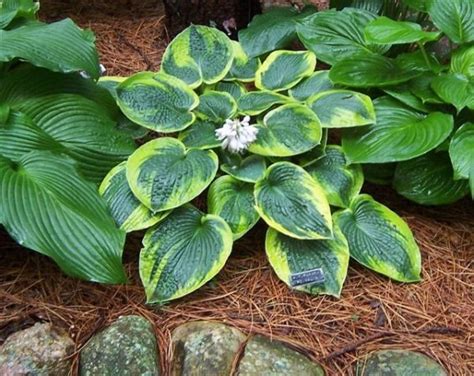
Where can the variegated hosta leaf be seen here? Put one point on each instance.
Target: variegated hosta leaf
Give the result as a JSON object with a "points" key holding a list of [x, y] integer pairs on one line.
{"points": [[399, 133], [428, 180], [249, 169], [342, 108], [199, 54], [380, 240], [129, 213], [216, 106], [243, 68], [60, 46], [47, 206], [316, 83], [158, 101], [287, 130], [282, 70], [163, 174], [340, 181], [69, 124], [201, 135], [233, 201], [234, 88], [461, 151], [293, 203], [182, 253], [294, 261], [256, 102]]}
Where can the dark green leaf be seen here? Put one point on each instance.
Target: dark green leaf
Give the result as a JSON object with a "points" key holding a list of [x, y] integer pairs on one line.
{"points": [[454, 17]]}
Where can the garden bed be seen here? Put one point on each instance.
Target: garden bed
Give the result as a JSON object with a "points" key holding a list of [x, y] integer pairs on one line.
{"points": [[434, 316]]}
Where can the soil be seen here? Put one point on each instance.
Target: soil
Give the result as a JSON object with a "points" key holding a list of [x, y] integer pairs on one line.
{"points": [[434, 316]]}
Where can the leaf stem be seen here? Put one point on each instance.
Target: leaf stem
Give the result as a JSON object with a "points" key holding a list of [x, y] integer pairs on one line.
{"points": [[425, 55]]}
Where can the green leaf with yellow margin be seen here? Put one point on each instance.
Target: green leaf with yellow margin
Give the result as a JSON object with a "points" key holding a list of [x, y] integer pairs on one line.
{"points": [[256, 102], [182, 253], [163, 174], [282, 70], [157, 101], [287, 130], [129, 213], [340, 181], [233, 201], [201, 135], [243, 67], [249, 169], [379, 239], [342, 108], [292, 202], [316, 83], [216, 106], [289, 257], [199, 54], [234, 88]]}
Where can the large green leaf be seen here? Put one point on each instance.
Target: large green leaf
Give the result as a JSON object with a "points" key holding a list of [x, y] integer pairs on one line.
{"points": [[340, 181], [287, 130], [455, 88], [342, 108], [256, 102], [454, 17], [272, 30], [182, 253], [60, 47], [216, 106], [299, 263], [46, 206], [249, 169], [380, 240], [282, 70], [428, 180], [11, 9], [461, 151], [129, 213], [233, 201], [403, 94], [384, 30], [243, 67], [462, 61], [318, 82], [69, 124], [400, 133], [200, 135], [293, 203], [421, 87], [159, 102], [163, 174], [199, 54], [370, 70], [335, 36]]}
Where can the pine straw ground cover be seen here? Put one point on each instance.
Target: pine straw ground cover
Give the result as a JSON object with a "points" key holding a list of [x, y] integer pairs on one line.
{"points": [[435, 316]]}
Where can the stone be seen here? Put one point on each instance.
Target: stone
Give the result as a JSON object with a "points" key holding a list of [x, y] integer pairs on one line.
{"points": [[127, 347], [40, 350], [205, 348], [263, 357], [398, 363]]}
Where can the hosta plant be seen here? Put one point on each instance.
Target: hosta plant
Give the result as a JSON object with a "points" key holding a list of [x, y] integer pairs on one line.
{"points": [[250, 135], [416, 60]]}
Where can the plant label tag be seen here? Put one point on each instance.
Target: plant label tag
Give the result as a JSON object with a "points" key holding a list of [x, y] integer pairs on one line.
{"points": [[310, 276]]}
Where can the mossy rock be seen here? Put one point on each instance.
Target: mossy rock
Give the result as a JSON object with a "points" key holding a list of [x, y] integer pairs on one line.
{"points": [[127, 347], [398, 363]]}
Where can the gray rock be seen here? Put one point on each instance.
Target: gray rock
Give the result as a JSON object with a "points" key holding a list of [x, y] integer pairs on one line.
{"points": [[40, 350], [205, 349], [127, 347], [398, 363], [263, 357]]}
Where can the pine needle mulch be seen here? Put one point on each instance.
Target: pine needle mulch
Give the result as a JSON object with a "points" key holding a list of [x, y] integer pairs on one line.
{"points": [[435, 316]]}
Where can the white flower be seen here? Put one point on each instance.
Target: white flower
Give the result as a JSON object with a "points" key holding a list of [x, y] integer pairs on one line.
{"points": [[236, 135]]}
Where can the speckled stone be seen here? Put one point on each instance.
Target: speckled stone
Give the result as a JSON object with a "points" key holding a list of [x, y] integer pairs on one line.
{"points": [[127, 347], [204, 349], [39, 350], [263, 357], [398, 363]]}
